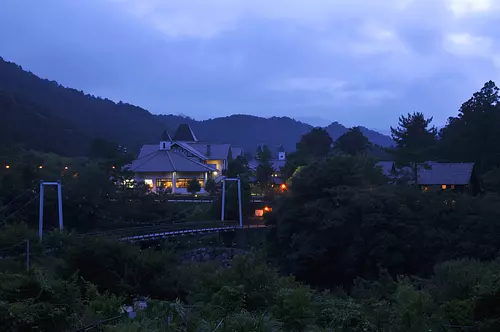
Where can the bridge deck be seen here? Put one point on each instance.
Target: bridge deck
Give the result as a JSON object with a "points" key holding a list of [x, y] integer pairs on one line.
{"points": [[171, 230]]}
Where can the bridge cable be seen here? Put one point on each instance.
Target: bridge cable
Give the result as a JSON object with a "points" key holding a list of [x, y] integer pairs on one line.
{"points": [[15, 199], [22, 207]]}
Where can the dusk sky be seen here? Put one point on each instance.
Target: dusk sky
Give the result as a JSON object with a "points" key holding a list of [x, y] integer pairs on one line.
{"points": [[358, 62]]}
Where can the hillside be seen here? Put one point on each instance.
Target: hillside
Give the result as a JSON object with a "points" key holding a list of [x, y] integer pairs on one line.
{"points": [[45, 115], [96, 117]]}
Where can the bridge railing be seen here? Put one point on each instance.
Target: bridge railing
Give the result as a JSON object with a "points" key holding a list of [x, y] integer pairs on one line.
{"points": [[136, 231]]}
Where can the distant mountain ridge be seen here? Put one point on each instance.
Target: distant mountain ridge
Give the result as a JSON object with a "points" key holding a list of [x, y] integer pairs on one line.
{"points": [[65, 120]]}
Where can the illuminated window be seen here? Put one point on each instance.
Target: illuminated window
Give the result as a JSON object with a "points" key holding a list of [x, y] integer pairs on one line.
{"points": [[183, 183], [164, 183], [149, 183], [259, 213], [443, 187]]}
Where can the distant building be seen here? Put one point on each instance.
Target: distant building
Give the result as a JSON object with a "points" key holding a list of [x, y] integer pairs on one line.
{"points": [[278, 161], [437, 176], [173, 162]]}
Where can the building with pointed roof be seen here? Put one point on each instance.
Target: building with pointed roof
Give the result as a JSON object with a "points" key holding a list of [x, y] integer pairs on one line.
{"points": [[175, 161], [278, 161]]}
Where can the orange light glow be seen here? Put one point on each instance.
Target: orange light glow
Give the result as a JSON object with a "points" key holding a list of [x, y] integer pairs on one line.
{"points": [[40, 166], [7, 166], [267, 209], [283, 186], [443, 187]]}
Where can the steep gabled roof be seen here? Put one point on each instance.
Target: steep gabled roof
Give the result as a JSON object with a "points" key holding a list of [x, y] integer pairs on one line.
{"points": [[184, 133]]}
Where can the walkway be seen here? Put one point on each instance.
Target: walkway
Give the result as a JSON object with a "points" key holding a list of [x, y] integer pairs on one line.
{"points": [[134, 234]]}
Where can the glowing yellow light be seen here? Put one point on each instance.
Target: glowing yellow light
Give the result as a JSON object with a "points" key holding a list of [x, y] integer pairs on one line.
{"points": [[40, 166], [283, 186], [66, 168], [7, 166], [113, 167], [443, 187], [267, 209]]}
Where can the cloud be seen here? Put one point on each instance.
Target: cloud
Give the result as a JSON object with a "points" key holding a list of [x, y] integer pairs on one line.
{"points": [[358, 61]]}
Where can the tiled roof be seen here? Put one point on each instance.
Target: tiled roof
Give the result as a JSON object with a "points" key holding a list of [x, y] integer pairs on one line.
{"points": [[189, 148], [446, 173], [151, 159], [437, 173], [217, 150]]}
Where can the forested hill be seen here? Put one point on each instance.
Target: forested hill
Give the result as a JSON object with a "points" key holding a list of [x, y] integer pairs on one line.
{"points": [[44, 115], [96, 117], [248, 131]]}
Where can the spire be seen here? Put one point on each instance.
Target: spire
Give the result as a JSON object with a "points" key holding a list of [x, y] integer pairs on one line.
{"points": [[184, 133]]}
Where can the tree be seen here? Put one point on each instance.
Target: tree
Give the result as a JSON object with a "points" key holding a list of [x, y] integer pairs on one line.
{"points": [[211, 187], [193, 186], [265, 168], [315, 144], [472, 135], [263, 153], [103, 149], [353, 142], [415, 142], [237, 167], [264, 174], [293, 161]]}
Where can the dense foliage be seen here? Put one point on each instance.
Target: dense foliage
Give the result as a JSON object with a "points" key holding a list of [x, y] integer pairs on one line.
{"points": [[345, 250], [87, 281]]}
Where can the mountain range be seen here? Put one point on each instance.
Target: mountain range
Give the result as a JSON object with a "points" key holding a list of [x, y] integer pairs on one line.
{"points": [[46, 116]]}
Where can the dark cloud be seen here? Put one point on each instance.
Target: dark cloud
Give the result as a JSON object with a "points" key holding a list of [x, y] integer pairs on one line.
{"points": [[354, 62]]}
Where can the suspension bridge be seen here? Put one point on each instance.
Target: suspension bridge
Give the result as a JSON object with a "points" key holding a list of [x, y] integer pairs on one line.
{"points": [[175, 226]]}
